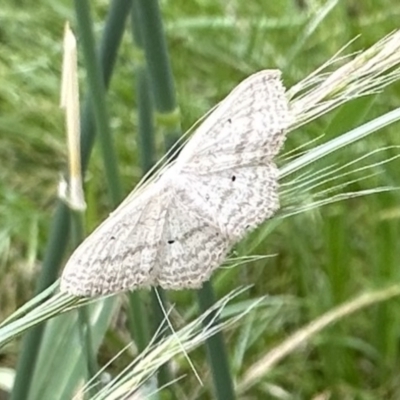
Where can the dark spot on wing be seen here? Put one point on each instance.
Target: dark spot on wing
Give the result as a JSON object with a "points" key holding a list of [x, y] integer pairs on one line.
{"points": [[233, 178], [112, 238], [171, 241], [230, 120]]}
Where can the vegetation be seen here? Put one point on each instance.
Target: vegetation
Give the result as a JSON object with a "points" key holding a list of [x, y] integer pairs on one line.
{"points": [[307, 303]]}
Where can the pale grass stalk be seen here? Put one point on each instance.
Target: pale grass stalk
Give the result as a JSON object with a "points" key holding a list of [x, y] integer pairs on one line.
{"points": [[71, 193], [366, 74], [303, 336]]}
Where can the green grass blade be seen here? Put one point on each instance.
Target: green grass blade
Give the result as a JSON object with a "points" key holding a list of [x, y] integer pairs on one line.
{"points": [[216, 350], [31, 344], [97, 92], [340, 142], [63, 361]]}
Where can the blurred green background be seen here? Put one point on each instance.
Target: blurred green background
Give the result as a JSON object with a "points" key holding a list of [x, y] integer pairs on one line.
{"points": [[323, 257]]}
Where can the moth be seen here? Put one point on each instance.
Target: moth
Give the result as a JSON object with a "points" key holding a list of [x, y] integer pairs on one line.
{"points": [[177, 230]]}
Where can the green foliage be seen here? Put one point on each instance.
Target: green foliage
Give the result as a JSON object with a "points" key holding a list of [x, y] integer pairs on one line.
{"points": [[325, 256]]}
